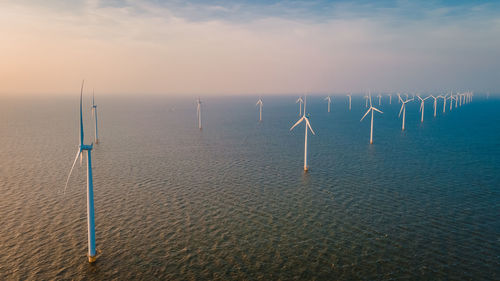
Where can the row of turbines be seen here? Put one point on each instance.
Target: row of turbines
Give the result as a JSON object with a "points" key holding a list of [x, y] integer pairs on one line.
{"points": [[459, 99]]}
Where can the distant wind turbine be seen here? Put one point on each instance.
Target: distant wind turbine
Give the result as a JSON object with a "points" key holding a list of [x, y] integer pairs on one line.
{"points": [[307, 125], [451, 98], [422, 106], [259, 103], [403, 110], [370, 109], [329, 102], [94, 114], [435, 103], [349, 102], [198, 112], [444, 102], [92, 255], [300, 101]]}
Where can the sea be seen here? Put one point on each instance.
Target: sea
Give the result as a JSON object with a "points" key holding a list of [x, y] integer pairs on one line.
{"points": [[232, 201]]}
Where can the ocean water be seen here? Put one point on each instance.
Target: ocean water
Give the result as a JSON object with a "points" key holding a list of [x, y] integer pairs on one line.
{"points": [[232, 201]]}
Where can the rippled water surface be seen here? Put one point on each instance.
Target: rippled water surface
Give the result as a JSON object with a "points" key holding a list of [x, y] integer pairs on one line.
{"points": [[232, 201]]}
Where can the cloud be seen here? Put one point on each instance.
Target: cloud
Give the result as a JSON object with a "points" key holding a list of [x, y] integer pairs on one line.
{"points": [[190, 48]]}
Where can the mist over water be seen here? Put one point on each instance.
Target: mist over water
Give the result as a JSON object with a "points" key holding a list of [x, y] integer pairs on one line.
{"points": [[232, 201]]}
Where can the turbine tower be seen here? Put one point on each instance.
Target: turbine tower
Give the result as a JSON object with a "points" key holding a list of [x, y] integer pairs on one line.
{"points": [[329, 102], [307, 125], [94, 115], [422, 103], [198, 112], [259, 103], [300, 101], [92, 254], [403, 109], [371, 127]]}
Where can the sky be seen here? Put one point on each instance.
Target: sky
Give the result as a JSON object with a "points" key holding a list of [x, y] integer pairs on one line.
{"points": [[238, 47]]}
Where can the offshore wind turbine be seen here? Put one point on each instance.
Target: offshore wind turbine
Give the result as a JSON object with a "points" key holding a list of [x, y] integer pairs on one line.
{"points": [[307, 125], [92, 254], [403, 110], [300, 101], [444, 102], [422, 104], [435, 103], [371, 127], [451, 98], [349, 101], [259, 103], [329, 102], [94, 115], [198, 112]]}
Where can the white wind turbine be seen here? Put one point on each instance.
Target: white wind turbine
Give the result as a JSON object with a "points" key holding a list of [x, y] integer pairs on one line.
{"points": [[422, 104], [92, 253], [349, 101], [403, 110], [198, 112], [444, 102], [307, 125], [300, 101], [370, 109], [329, 102], [259, 103], [435, 103]]}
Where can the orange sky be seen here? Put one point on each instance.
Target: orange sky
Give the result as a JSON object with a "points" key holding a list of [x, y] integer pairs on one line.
{"points": [[150, 49]]}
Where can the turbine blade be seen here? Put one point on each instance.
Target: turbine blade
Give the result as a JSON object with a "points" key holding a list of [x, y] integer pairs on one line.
{"points": [[309, 125], [298, 122], [70, 171], [365, 114], [81, 117]]}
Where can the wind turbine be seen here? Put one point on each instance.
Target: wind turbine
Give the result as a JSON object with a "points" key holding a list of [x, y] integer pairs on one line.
{"points": [[300, 101], [198, 112], [307, 125], [435, 103], [403, 109], [370, 109], [92, 255], [94, 114], [422, 103], [451, 98], [444, 102], [259, 102], [349, 101], [329, 102]]}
